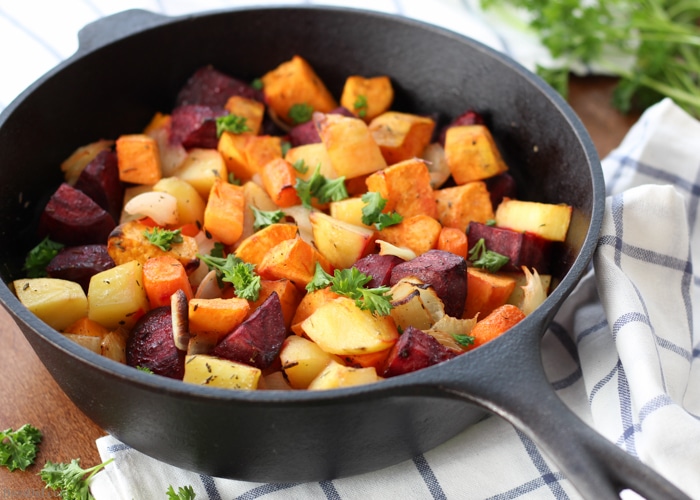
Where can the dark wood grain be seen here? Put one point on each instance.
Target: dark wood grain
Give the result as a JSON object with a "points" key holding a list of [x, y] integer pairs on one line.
{"points": [[28, 394]]}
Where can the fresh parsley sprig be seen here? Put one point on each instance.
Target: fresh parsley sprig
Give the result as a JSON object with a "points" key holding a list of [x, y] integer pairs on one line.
{"points": [[39, 257], [231, 123], [240, 274], [481, 257], [18, 448], [264, 218], [70, 479], [300, 113], [351, 283], [372, 211], [163, 238], [360, 105], [183, 493], [321, 188]]}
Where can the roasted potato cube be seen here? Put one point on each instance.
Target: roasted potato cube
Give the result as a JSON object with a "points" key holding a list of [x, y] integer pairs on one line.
{"points": [[56, 302], [458, 206], [401, 136], [406, 187]]}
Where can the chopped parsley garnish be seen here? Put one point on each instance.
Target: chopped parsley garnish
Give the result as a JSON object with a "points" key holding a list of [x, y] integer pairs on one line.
{"points": [[163, 238], [300, 113], [231, 123], [372, 211], [257, 84], [321, 188], [486, 259], [351, 283], [240, 274], [463, 340], [144, 369], [360, 105], [264, 218], [40, 256], [18, 448]]}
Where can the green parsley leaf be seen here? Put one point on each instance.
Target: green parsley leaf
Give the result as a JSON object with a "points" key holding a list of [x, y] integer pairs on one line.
{"points": [[286, 146], [321, 279], [360, 105], [257, 84], [300, 166], [332, 190], [463, 340], [231, 123], [240, 274], [18, 448], [39, 257], [300, 113], [351, 283], [218, 250], [144, 369], [491, 222], [321, 188], [163, 238], [70, 478], [264, 218], [372, 211], [183, 493], [486, 259]]}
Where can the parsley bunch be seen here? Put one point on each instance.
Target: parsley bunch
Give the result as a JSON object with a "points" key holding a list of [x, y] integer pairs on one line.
{"points": [[319, 187], [372, 211], [662, 36], [351, 283], [70, 479], [18, 448], [233, 270]]}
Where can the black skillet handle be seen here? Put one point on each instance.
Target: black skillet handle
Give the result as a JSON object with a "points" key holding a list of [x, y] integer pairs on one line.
{"points": [[110, 28], [511, 383]]}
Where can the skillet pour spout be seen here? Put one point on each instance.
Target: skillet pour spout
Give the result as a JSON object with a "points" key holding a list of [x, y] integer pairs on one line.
{"points": [[131, 66]]}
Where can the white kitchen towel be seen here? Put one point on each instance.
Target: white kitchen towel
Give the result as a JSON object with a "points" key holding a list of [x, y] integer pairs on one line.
{"points": [[622, 352]]}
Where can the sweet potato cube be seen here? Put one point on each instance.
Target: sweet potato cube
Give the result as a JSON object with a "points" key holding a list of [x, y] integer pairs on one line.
{"points": [[163, 276], [501, 319], [279, 178], [251, 110], [401, 136], [261, 149], [458, 206], [216, 318], [232, 149], [547, 220], [312, 156], [288, 293], [406, 187], [486, 291], [367, 98], [223, 216], [295, 82], [138, 159], [294, 260], [254, 247], [419, 233], [309, 303], [201, 168], [453, 240], [472, 153], [350, 146]]}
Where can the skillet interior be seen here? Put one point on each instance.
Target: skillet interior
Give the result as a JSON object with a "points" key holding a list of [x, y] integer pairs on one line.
{"points": [[116, 88]]}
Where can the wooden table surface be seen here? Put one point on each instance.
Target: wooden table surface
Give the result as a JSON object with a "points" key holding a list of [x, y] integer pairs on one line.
{"points": [[28, 394]]}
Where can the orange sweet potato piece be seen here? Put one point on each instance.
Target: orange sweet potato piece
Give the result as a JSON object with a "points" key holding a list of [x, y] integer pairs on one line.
{"points": [[401, 136], [367, 98], [406, 187], [261, 149], [163, 276], [254, 247], [496, 323], [279, 179], [374, 359], [232, 149], [215, 318], [223, 215], [419, 233], [486, 292], [458, 206], [309, 303], [453, 240], [138, 159], [472, 154], [295, 82], [288, 293], [250, 109], [294, 260]]}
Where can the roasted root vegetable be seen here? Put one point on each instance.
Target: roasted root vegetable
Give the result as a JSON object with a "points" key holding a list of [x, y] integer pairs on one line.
{"points": [[268, 239]]}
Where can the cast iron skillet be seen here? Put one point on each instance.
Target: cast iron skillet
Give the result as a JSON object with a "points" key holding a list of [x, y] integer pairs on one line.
{"points": [[131, 65]]}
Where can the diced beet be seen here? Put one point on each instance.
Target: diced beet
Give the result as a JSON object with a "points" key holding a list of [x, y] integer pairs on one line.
{"points": [[306, 133], [415, 350], [73, 218], [194, 126], [379, 267], [151, 345], [522, 249], [211, 87], [445, 271], [80, 263], [100, 181], [469, 117], [258, 340], [501, 186]]}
